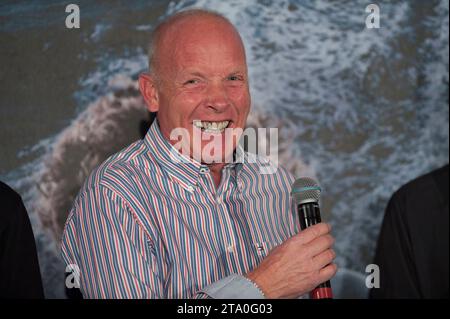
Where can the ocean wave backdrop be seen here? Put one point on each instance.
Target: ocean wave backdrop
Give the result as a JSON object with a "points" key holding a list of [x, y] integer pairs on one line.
{"points": [[362, 110]]}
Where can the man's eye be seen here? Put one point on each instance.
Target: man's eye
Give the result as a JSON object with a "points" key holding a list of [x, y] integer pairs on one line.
{"points": [[192, 81], [234, 78]]}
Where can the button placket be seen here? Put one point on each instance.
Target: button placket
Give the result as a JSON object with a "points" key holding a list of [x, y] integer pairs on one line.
{"points": [[231, 242], [260, 248], [222, 187]]}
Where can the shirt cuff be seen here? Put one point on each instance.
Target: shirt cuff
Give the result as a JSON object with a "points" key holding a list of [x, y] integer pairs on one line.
{"points": [[233, 287]]}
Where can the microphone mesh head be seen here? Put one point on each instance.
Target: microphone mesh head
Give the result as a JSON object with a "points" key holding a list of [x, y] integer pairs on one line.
{"points": [[305, 190]]}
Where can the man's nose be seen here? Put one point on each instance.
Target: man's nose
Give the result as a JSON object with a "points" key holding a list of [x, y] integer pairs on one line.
{"points": [[217, 97]]}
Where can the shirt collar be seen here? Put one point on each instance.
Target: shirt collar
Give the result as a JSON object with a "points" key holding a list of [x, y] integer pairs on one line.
{"points": [[177, 165]]}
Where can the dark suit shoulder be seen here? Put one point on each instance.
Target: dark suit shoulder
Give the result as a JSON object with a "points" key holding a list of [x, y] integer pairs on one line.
{"points": [[10, 201], [429, 188]]}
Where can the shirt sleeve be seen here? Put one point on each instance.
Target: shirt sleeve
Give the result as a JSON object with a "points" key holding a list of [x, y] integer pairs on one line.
{"points": [[108, 247], [232, 287]]}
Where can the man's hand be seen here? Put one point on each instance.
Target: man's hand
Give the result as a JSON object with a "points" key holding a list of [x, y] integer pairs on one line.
{"points": [[298, 265]]}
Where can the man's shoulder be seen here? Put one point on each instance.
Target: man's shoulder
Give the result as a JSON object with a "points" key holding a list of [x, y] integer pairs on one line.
{"points": [[11, 204], [118, 170], [422, 194], [421, 186], [7, 194]]}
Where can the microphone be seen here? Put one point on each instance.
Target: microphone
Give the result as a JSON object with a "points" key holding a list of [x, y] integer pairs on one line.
{"points": [[306, 192]]}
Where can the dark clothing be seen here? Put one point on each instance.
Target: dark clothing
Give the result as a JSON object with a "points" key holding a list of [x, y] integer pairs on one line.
{"points": [[413, 247], [19, 268]]}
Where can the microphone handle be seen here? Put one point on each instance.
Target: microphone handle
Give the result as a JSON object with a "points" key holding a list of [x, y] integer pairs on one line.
{"points": [[309, 214]]}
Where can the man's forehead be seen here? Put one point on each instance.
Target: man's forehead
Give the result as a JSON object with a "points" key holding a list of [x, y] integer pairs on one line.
{"points": [[216, 59], [204, 48]]}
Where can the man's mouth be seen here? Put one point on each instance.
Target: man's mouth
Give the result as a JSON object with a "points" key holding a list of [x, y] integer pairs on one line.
{"points": [[211, 126]]}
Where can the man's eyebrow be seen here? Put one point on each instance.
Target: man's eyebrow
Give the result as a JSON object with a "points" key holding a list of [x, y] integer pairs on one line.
{"points": [[185, 75], [240, 72], [192, 73], [199, 74], [188, 73]]}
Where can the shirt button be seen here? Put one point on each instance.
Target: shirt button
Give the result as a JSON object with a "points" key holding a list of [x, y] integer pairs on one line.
{"points": [[219, 201], [190, 188], [203, 170], [230, 249]]}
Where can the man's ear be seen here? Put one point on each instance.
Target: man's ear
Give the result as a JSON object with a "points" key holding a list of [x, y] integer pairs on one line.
{"points": [[147, 86]]}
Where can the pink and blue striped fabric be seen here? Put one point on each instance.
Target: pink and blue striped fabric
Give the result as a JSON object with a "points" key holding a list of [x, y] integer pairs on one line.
{"points": [[143, 226]]}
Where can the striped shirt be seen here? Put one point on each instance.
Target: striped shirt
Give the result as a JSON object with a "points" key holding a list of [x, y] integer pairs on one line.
{"points": [[144, 226]]}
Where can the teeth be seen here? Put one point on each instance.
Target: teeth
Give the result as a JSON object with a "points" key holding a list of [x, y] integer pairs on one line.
{"points": [[212, 127], [198, 123]]}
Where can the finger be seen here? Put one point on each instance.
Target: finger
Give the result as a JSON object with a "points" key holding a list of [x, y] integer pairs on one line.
{"points": [[327, 272], [310, 233], [323, 259], [319, 245]]}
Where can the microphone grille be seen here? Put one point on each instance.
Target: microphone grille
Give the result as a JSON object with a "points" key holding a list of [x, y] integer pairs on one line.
{"points": [[306, 190]]}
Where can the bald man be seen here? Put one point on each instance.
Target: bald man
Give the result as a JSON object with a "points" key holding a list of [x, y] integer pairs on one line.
{"points": [[166, 218]]}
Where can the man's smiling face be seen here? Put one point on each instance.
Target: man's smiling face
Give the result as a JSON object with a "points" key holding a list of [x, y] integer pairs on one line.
{"points": [[202, 79]]}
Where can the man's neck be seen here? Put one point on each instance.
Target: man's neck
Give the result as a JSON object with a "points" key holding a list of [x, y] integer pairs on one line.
{"points": [[216, 172]]}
